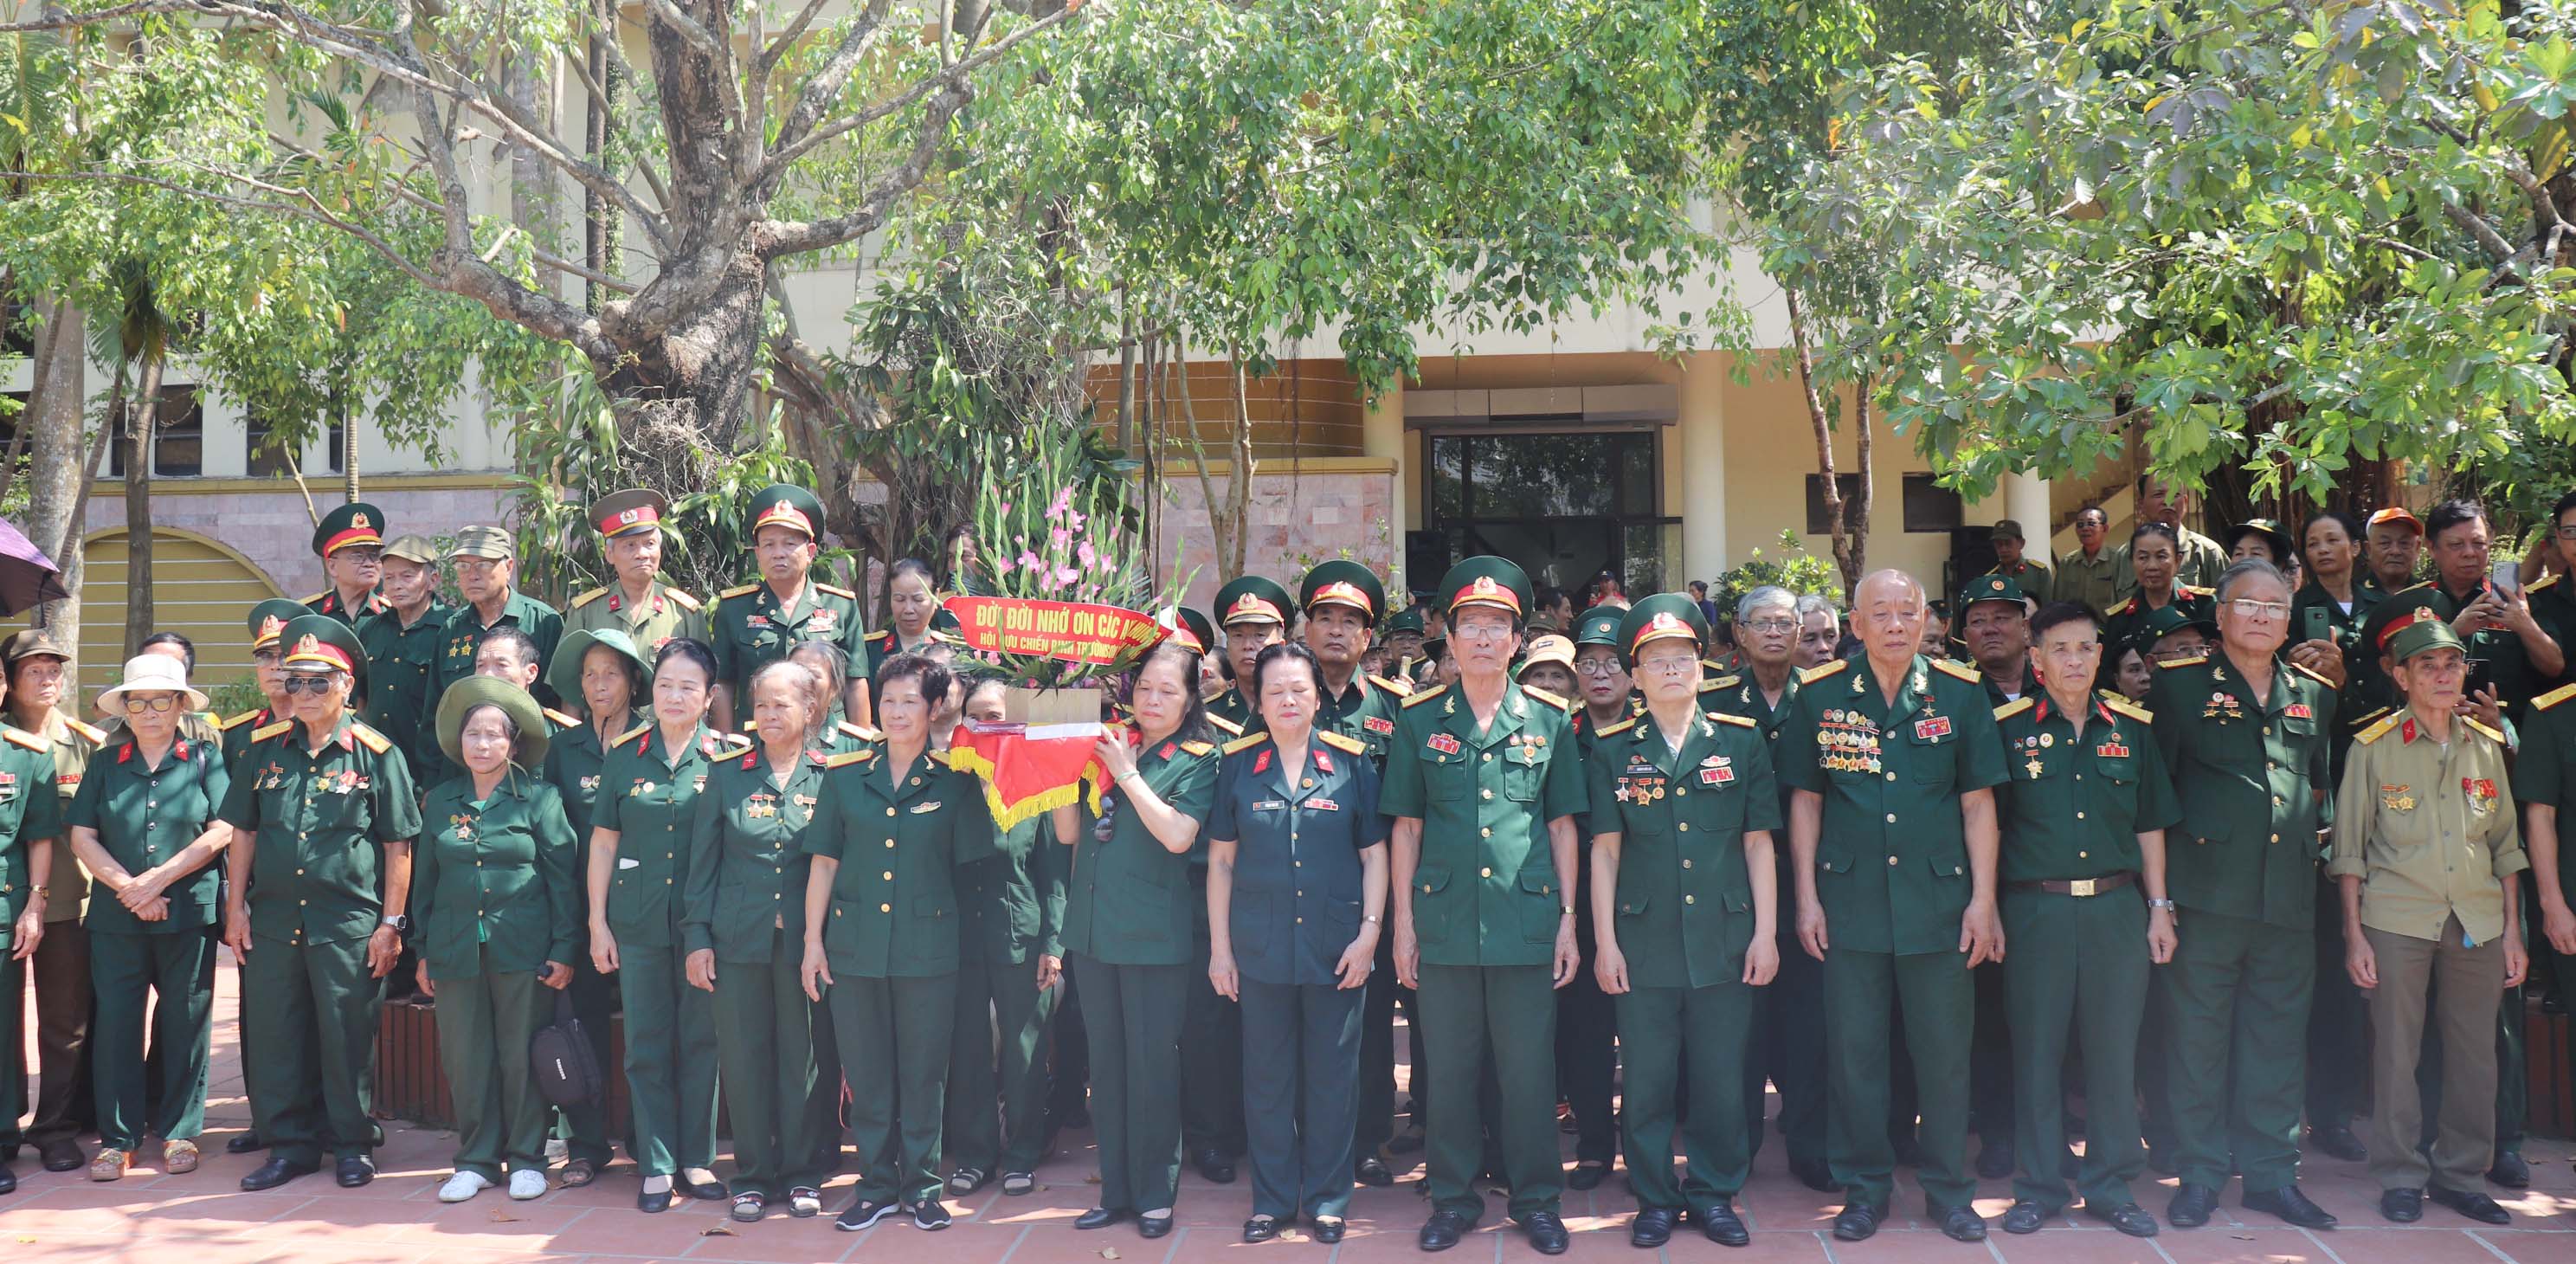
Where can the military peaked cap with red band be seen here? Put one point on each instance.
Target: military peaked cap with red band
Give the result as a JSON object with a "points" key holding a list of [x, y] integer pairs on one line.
{"points": [[786, 505], [1487, 581], [634, 511], [1252, 599], [351, 524], [1191, 628], [1662, 617], [1342, 582], [318, 640], [268, 621]]}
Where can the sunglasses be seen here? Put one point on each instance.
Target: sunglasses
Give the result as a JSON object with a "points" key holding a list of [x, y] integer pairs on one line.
{"points": [[315, 685], [136, 705]]}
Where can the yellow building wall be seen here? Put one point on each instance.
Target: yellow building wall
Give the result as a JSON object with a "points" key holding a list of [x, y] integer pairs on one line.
{"points": [[1771, 450]]}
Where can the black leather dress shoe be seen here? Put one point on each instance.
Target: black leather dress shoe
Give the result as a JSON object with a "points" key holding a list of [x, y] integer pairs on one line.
{"points": [[354, 1171], [1371, 1170], [2128, 1218], [1652, 1228], [276, 1172], [1587, 1175], [1995, 1158], [1261, 1228], [1719, 1224], [2510, 1171], [2192, 1206], [1962, 1224], [1212, 1164], [1546, 1232], [654, 1204], [2471, 1203], [2025, 1217], [1153, 1226], [8, 1180], [2290, 1205], [1443, 1230], [1857, 1221], [1813, 1173], [2338, 1142], [2401, 1206], [1101, 1217], [245, 1143], [704, 1191], [1329, 1232], [62, 1155]]}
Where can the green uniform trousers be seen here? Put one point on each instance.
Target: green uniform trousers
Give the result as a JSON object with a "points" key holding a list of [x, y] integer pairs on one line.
{"points": [[2076, 980], [1131, 1021], [2236, 1022], [583, 1127], [2338, 1022], [1702, 1034], [177, 972], [1301, 1061], [2438, 990], [670, 1061], [1375, 1107], [13, 1050], [1510, 1012], [893, 1036], [997, 1078], [313, 1083], [1937, 998], [1789, 1050], [485, 1021], [765, 1029], [1211, 1050]]}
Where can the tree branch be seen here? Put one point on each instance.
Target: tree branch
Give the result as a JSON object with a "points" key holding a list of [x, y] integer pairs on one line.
{"points": [[304, 207], [787, 152], [834, 74], [775, 238], [768, 59]]}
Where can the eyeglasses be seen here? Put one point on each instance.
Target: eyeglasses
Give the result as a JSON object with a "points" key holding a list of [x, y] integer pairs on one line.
{"points": [[2567, 532], [1668, 666], [137, 704], [2248, 608], [1482, 632], [1596, 667], [268, 658], [315, 685], [1772, 625]]}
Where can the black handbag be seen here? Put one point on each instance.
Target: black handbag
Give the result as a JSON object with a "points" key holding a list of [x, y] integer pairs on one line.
{"points": [[560, 1057]]}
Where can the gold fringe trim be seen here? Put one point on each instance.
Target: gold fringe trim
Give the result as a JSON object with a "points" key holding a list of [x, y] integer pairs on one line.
{"points": [[1006, 816]]}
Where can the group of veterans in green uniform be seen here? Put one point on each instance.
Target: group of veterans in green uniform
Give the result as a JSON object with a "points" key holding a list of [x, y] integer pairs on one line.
{"points": [[1921, 896]]}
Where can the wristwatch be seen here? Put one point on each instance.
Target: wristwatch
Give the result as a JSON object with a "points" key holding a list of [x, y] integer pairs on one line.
{"points": [[2154, 903], [42, 893], [399, 921], [1566, 911]]}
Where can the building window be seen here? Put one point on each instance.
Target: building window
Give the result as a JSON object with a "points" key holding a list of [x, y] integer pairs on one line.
{"points": [[1565, 506], [337, 440], [1819, 522], [1929, 506], [179, 446], [264, 458]]}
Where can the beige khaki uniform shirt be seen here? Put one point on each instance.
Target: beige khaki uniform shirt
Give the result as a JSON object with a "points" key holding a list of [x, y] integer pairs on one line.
{"points": [[2428, 827]]}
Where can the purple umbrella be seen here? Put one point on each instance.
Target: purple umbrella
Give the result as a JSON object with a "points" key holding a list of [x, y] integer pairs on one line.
{"points": [[27, 576]]}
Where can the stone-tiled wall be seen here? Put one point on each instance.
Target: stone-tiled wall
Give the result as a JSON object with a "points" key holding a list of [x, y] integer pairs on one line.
{"points": [[1296, 521], [275, 531]]}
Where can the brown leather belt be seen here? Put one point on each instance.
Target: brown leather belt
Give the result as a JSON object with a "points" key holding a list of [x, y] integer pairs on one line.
{"points": [[2080, 886]]}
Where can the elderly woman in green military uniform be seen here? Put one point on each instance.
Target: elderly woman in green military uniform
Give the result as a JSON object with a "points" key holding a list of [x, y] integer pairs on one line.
{"points": [[915, 615], [2155, 554], [143, 822], [30, 820], [758, 623], [1127, 935], [1296, 900], [641, 839], [2084, 816], [743, 924], [833, 733], [1684, 894], [881, 937], [498, 917], [318, 875], [603, 675]]}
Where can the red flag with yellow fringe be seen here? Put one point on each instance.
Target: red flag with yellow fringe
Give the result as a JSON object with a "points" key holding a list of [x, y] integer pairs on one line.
{"points": [[1031, 769]]}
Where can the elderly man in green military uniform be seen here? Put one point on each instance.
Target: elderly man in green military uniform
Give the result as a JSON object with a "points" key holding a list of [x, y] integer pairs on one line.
{"points": [[486, 572], [1684, 894], [759, 622], [1994, 622], [39, 674], [636, 602], [2249, 741], [1253, 611], [2085, 573], [402, 644], [323, 813], [2031, 577], [350, 542], [2428, 860], [1893, 758], [1586, 1017], [2084, 816], [30, 821], [1404, 642], [1484, 787]]}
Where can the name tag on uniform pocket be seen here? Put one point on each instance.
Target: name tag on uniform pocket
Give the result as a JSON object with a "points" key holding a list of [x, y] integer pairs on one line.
{"points": [[919, 809], [1268, 805], [1932, 729], [629, 862], [1323, 805]]}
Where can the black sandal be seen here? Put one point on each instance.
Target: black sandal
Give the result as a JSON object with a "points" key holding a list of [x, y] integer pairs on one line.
{"points": [[578, 1173], [749, 1207], [1019, 1184]]}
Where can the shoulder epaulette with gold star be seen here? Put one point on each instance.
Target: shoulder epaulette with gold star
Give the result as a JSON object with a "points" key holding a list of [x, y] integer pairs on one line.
{"points": [[1722, 682], [1198, 748], [1958, 671], [266, 732], [2553, 697], [253, 714], [881, 634], [2492, 735], [24, 738], [2368, 716], [686, 601], [587, 598], [1610, 730], [1822, 670], [2193, 661], [1224, 725], [2379, 730], [1729, 717], [2014, 708], [842, 593], [1414, 700], [847, 758], [1548, 698], [306, 601], [630, 735], [2130, 709], [2189, 591], [2304, 670], [859, 731], [369, 738], [743, 591], [1398, 688], [1341, 741], [1242, 744]]}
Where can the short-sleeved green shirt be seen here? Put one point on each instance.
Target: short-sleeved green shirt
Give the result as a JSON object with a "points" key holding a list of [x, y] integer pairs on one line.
{"points": [[461, 637], [494, 878], [1485, 889], [2252, 778], [319, 822], [401, 660], [146, 815], [1130, 902], [1685, 895], [2075, 803], [750, 631], [650, 795], [894, 895], [747, 860], [1892, 853], [30, 813]]}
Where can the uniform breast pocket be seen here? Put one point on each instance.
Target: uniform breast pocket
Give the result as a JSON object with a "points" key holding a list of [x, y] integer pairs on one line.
{"points": [[1933, 754], [1446, 777], [1524, 770]]}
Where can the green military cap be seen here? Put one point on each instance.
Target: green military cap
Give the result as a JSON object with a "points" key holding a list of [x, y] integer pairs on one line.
{"points": [[787, 505], [354, 523], [35, 642], [268, 621], [2425, 631], [1990, 588], [412, 548], [1408, 619], [1663, 616], [1252, 599], [2400, 608], [2282, 548], [474, 691], [2005, 529], [490, 542], [1191, 628], [321, 642], [1488, 581], [635, 511], [564, 675], [1341, 582], [1600, 626], [2167, 620], [1546, 649]]}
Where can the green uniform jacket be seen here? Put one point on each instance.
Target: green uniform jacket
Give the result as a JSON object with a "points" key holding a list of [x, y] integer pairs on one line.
{"points": [[894, 896], [2429, 827], [30, 812], [2545, 772], [70, 743], [235, 735], [1485, 890], [2202, 561], [400, 664], [1892, 854], [2073, 807], [2093, 581], [2252, 780], [881, 645], [499, 875], [329, 603], [749, 631], [318, 823], [1744, 698], [462, 635], [1232, 716], [669, 613], [1685, 897], [652, 804], [747, 857], [1298, 834], [1129, 901], [145, 816], [1010, 905], [840, 737], [2036, 583], [2365, 691], [2122, 622], [575, 766], [1365, 710]]}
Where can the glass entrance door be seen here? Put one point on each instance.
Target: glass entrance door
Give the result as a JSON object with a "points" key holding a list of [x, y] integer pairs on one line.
{"points": [[1564, 506]]}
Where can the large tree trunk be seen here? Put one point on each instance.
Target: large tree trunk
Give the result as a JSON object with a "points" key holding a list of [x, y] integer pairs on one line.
{"points": [[143, 420], [56, 472], [1848, 530]]}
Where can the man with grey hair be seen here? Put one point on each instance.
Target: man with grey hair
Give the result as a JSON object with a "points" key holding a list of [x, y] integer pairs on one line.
{"points": [[1819, 630]]}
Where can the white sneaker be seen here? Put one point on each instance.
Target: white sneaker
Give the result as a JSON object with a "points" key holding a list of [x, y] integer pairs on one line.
{"points": [[462, 1186], [527, 1183]]}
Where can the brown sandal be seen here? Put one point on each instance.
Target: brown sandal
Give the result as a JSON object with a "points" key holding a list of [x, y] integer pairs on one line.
{"points": [[578, 1173]]}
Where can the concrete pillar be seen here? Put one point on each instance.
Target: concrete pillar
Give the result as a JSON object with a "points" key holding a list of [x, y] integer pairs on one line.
{"points": [[2025, 498], [1699, 448]]}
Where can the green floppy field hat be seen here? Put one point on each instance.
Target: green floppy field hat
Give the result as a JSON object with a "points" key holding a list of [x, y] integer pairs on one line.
{"points": [[564, 674], [465, 695]]}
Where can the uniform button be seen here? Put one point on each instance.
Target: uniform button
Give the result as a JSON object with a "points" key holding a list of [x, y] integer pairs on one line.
{"points": [[1297, 863], [1485, 873], [1489, 757], [1684, 827], [2079, 816], [2083, 855], [889, 811], [1891, 818], [1891, 862], [1685, 862], [1485, 832], [1690, 899], [1679, 791], [1485, 793], [299, 873], [885, 908], [1308, 783], [2267, 730], [889, 875], [2276, 838], [1301, 921], [889, 844], [1891, 776]]}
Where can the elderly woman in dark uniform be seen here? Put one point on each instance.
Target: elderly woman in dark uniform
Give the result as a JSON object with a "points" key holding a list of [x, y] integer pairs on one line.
{"points": [[744, 927], [30, 819], [492, 890], [1128, 933], [1296, 897], [640, 845]]}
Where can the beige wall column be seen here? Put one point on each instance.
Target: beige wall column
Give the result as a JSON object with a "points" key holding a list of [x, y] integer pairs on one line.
{"points": [[1382, 434], [1698, 449], [2025, 500]]}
